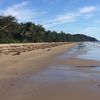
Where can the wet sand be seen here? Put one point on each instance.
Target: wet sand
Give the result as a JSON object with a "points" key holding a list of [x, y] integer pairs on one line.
{"points": [[43, 75], [76, 62], [13, 69]]}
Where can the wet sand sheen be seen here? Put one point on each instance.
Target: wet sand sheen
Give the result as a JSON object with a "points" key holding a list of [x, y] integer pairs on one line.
{"points": [[63, 79], [71, 79]]}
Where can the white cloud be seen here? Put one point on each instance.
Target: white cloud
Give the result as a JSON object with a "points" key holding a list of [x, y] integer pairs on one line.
{"points": [[89, 9], [88, 16], [60, 19], [85, 12], [21, 11]]}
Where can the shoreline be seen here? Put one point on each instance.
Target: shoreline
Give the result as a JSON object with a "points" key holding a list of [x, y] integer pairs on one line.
{"points": [[36, 75], [14, 70], [28, 61], [78, 62]]}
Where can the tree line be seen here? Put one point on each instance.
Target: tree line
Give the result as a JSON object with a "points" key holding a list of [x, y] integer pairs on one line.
{"points": [[13, 32]]}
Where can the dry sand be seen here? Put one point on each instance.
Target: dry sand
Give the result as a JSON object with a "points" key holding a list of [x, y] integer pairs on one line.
{"points": [[15, 82], [11, 66], [15, 68]]}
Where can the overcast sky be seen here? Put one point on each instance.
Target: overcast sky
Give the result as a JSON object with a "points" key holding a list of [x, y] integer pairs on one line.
{"points": [[70, 16]]}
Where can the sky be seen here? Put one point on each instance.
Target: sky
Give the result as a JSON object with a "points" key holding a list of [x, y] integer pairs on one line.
{"points": [[70, 16]]}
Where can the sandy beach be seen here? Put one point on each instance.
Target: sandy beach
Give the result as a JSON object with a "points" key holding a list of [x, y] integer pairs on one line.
{"points": [[31, 60], [28, 76]]}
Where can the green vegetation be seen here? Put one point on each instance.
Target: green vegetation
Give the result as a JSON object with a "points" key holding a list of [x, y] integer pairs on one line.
{"points": [[13, 32]]}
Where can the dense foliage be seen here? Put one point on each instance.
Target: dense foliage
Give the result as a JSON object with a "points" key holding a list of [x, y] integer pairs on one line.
{"points": [[13, 32]]}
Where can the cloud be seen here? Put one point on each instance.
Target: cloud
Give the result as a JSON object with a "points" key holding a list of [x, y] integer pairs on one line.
{"points": [[68, 17], [61, 19], [21, 11], [89, 9]]}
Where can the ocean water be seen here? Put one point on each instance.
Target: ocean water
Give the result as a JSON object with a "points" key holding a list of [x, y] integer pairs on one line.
{"points": [[84, 50], [89, 50]]}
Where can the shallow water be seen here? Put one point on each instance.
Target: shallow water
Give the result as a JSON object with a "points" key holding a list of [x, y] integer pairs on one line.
{"points": [[56, 73], [89, 51]]}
